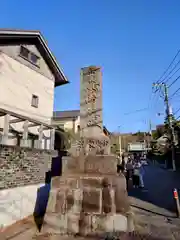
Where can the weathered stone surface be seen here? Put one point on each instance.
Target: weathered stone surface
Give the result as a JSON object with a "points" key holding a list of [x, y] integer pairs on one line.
{"points": [[72, 164], [100, 164], [69, 199], [60, 202], [85, 224], [91, 202], [91, 100], [106, 200], [73, 223], [102, 195], [52, 201], [55, 223], [93, 139], [91, 182], [72, 182]]}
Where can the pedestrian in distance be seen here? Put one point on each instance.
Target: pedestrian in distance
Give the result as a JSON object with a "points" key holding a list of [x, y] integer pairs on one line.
{"points": [[136, 174], [123, 164], [129, 172], [141, 175]]}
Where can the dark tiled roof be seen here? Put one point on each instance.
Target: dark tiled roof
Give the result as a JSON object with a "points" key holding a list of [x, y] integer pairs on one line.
{"points": [[66, 114]]}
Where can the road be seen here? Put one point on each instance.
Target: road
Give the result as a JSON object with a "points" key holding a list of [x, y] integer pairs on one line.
{"points": [[159, 184], [155, 212]]}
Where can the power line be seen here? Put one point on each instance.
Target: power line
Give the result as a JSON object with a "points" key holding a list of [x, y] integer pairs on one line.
{"points": [[174, 93], [138, 110], [177, 111], [169, 66], [170, 73], [160, 79], [174, 81]]}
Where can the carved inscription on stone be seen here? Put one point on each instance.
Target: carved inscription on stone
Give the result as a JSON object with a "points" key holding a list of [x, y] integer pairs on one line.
{"points": [[94, 120], [97, 145], [91, 102]]}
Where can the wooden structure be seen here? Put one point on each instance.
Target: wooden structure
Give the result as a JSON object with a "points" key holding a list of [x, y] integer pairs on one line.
{"points": [[11, 118]]}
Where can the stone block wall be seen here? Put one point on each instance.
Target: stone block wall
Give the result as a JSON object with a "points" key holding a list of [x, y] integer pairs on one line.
{"points": [[22, 166]]}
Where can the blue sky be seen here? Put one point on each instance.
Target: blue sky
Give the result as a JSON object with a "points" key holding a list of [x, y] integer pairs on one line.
{"points": [[133, 41]]}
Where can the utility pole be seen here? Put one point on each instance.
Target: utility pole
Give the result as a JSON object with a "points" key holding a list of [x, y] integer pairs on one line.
{"points": [[170, 123], [150, 134], [120, 145], [145, 143]]}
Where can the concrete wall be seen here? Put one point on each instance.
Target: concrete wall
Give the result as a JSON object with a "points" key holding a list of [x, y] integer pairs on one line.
{"points": [[17, 203]]}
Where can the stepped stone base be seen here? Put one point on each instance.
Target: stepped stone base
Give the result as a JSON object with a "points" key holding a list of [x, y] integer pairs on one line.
{"points": [[98, 164], [88, 199]]}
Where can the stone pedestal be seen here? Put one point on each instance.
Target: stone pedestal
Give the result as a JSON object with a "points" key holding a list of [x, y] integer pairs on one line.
{"points": [[91, 201]]}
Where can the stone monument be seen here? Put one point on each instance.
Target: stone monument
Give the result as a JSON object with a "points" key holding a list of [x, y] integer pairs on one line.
{"points": [[91, 123], [89, 198]]}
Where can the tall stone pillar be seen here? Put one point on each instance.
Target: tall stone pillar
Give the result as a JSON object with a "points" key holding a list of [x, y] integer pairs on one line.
{"points": [[91, 122]]}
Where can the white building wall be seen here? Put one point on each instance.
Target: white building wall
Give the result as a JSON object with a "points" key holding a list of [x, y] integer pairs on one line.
{"points": [[17, 203], [68, 124], [77, 123], [17, 85]]}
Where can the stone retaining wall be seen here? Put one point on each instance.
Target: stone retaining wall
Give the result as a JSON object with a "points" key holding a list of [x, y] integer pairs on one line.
{"points": [[23, 166]]}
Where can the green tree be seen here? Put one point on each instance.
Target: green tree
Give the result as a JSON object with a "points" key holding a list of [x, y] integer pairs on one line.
{"points": [[166, 122], [157, 133], [140, 135]]}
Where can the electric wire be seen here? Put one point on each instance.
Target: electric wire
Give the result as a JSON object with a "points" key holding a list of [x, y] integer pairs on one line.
{"points": [[160, 81], [174, 82], [165, 79], [176, 111], [174, 93]]}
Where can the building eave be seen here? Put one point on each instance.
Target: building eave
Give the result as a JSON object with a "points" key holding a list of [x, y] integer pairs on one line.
{"points": [[10, 36]]}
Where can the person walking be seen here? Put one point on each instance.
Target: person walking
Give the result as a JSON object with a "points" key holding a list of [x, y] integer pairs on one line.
{"points": [[123, 164], [136, 175], [141, 175], [129, 171]]}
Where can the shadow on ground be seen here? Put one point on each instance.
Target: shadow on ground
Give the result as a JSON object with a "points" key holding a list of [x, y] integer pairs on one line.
{"points": [[43, 192], [40, 205]]}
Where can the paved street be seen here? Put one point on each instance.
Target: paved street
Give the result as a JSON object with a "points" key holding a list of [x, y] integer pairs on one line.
{"points": [[154, 209], [159, 183]]}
